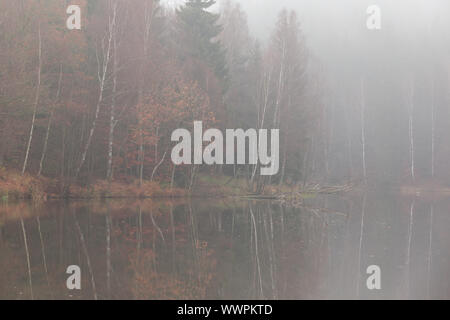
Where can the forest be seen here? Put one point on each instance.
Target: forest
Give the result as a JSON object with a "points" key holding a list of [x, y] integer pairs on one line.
{"points": [[100, 103], [88, 110]]}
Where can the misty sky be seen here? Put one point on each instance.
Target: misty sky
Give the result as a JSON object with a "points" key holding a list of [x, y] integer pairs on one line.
{"points": [[339, 27]]}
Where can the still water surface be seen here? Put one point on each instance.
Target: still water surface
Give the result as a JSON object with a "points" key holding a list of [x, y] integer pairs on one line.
{"points": [[227, 249]]}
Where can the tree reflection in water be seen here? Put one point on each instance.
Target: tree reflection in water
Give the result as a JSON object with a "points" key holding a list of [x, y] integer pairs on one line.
{"points": [[225, 249]]}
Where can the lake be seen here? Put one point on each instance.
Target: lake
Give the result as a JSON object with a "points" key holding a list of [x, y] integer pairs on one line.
{"points": [[227, 248]]}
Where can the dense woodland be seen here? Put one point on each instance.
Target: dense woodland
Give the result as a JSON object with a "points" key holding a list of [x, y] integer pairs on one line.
{"points": [[101, 103]]}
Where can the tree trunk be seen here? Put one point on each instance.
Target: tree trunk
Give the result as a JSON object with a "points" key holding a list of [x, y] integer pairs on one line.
{"points": [[148, 19], [44, 150], [411, 131], [433, 121], [157, 166], [36, 101], [102, 82], [286, 140], [112, 120], [172, 179], [363, 129]]}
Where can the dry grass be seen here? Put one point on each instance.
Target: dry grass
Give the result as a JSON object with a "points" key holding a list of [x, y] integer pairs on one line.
{"points": [[104, 189], [13, 186], [426, 190]]}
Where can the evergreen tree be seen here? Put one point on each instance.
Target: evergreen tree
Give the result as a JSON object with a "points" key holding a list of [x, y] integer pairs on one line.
{"points": [[199, 29]]}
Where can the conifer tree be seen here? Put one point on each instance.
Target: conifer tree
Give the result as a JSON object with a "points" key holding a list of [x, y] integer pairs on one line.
{"points": [[199, 29]]}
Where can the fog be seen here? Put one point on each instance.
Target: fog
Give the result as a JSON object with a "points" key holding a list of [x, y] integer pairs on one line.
{"points": [[412, 46], [335, 158], [401, 70], [329, 24]]}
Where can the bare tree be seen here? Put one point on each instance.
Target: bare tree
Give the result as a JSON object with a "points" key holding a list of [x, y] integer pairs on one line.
{"points": [[433, 121], [101, 74], [36, 99], [411, 130], [44, 149], [363, 128], [149, 14], [117, 38], [112, 119]]}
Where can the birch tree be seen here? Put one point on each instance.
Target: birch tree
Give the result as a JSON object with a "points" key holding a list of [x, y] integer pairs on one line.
{"points": [[363, 128], [150, 8], [433, 121], [36, 99], [50, 119], [411, 129], [118, 33], [103, 66]]}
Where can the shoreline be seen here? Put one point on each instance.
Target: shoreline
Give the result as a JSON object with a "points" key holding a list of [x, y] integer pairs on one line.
{"points": [[14, 186]]}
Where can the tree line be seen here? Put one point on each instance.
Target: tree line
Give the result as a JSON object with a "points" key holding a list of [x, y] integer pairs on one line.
{"points": [[101, 103]]}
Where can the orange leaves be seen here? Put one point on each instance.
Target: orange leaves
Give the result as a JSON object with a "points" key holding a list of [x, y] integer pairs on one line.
{"points": [[170, 105]]}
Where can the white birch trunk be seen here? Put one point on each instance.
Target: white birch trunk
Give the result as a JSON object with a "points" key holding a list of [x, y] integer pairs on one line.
{"points": [[112, 120], [411, 132], [102, 80], [363, 129], [49, 125], [158, 165], [148, 19], [36, 100], [433, 136]]}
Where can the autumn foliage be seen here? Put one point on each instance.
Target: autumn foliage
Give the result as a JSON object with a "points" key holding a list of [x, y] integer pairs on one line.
{"points": [[99, 104]]}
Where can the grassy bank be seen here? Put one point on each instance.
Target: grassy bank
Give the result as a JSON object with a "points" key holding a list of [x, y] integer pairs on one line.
{"points": [[14, 186]]}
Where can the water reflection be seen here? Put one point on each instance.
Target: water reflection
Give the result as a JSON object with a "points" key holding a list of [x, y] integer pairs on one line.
{"points": [[227, 249]]}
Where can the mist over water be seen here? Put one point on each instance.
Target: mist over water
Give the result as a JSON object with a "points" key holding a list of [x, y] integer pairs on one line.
{"points": [[362, 122], [404, 69], [229, 249]]}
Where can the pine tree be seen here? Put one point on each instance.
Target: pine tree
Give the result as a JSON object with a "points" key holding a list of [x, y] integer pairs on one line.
{"points": [[199, 29]]}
